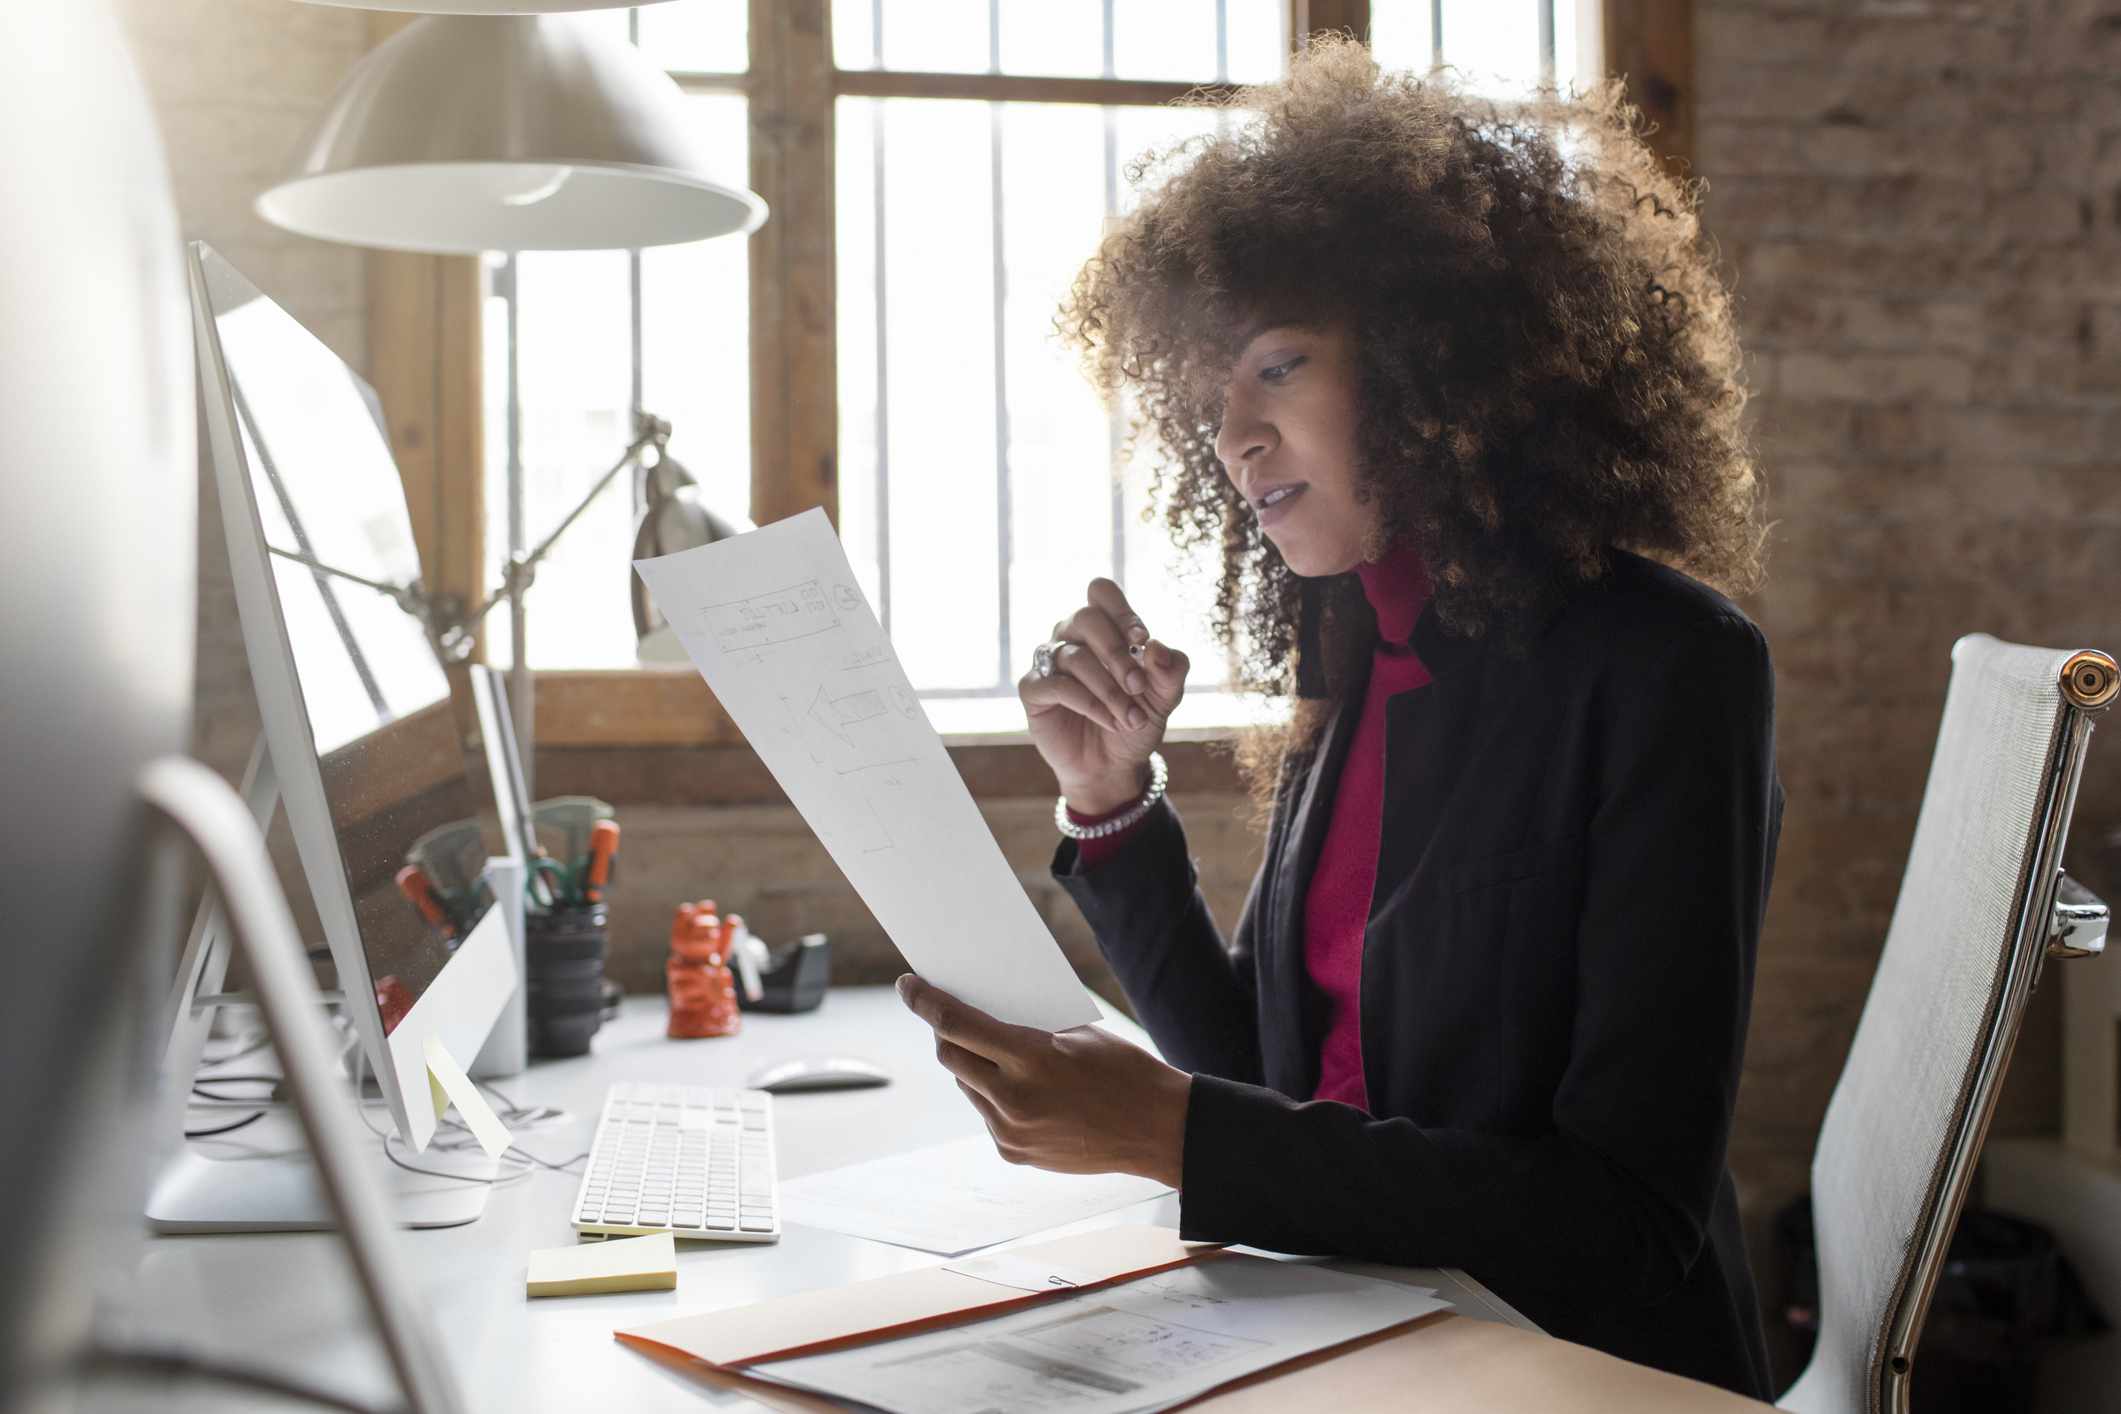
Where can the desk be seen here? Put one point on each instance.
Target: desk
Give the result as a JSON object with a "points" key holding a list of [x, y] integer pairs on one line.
{"points": [[289, 1300]]}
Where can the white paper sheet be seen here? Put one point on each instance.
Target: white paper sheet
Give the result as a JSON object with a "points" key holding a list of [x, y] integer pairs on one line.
{"points": [[1148, 1344], [776, 622], [953, 1198]]}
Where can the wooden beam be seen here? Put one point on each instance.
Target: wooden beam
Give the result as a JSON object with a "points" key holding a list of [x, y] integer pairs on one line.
{"points": [[733, 774], [628, 706], [794, 356], [1016, 88], [1650, 43], [424, 361], [1312, 16]]}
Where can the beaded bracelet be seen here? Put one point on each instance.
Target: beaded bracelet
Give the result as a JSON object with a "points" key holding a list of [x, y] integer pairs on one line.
{"points": [[1159, 777]]}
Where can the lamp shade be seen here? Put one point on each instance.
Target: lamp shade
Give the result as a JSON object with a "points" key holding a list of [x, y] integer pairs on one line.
{"points": [[461, 134], [479, 7]]}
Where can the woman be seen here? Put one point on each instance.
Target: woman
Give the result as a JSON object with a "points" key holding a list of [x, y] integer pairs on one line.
{"points": [[1461, 412]]}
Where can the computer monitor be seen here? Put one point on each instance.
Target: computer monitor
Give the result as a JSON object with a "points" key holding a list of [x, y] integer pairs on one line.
{"points": [[361, 740]]}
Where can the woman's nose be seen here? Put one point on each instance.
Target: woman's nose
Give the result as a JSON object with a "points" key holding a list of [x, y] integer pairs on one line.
{"points": [[1240, 439]]}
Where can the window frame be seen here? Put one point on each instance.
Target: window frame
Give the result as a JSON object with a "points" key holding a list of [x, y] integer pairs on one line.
{"points": [[424, 322]]}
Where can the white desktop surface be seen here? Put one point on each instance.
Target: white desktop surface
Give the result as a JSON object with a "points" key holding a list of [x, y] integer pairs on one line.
{"points": [[288, 1301]]}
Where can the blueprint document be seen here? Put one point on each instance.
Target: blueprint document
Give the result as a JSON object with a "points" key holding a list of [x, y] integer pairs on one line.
{"points": [[776, 622], [1147, 1344]]}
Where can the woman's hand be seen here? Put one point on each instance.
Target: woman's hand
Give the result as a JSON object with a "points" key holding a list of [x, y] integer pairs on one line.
{"points": [[1080, 1101], [1103, 710]]}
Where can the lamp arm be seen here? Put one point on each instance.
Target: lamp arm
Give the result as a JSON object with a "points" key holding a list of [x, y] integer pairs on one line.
{"points": [[520, 571], [408, 596], [447, 628]]}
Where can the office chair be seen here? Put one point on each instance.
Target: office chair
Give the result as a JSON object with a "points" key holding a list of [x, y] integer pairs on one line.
{"points": [[1982, 904]]}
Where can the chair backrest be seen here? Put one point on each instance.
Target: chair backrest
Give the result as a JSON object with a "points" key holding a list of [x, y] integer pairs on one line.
{"points": [[1966, 942]]}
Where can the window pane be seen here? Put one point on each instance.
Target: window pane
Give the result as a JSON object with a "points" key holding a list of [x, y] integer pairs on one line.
{"points": [[493, 333], [1069, 520], [939, 349], [1568, 49], [854, 124], [701, 36], [1171, 39], [1494, 44], [696, 336], [1402, 34], [1152, 39], [1060, 448], [1259, 40], [1058, 37], [854, 34], [574, 355], [936, 36], [1172, 592]]}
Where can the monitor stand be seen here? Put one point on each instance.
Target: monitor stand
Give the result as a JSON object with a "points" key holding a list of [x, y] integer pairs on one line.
{"points": [[268, 1186], [266, 1180]]}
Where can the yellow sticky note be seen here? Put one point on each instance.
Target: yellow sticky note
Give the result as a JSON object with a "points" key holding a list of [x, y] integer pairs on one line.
{"points": [[624, 1264], [444, 1072]]}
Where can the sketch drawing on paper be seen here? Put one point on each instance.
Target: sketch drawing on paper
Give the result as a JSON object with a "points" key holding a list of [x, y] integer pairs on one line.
{"points": [[762, 620], [776, 622]]}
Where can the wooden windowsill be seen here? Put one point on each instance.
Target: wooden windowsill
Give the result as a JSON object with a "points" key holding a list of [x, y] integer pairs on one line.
{"points": [[733, 774], [657, 735]]}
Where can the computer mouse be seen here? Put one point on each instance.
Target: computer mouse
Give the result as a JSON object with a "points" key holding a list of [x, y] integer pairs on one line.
{"points": [[817, 1073]]}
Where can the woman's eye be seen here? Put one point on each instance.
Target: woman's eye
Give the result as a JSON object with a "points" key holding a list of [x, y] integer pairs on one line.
{"points": [[1276, 372]]}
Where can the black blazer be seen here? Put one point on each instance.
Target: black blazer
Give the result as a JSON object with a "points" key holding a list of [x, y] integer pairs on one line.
{"points": [[1576, 853]]}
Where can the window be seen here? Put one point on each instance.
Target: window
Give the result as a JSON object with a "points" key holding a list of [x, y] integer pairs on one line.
{"points": [[978, 492], [977, 149], [1505, 46], [577, 341]]}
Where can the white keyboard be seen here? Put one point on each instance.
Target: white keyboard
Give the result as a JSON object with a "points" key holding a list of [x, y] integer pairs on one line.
{"points": [[682, 1159]]}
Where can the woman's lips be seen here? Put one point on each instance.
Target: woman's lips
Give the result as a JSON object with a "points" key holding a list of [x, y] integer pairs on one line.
{"points": [[1277, 503]]}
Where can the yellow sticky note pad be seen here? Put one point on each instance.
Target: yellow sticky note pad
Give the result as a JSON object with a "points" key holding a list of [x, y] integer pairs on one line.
{"points": [[624, 1264], [446, 1077]]}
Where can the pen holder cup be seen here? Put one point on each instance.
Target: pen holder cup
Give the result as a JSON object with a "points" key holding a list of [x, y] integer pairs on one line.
{"points": [[564, 985]]}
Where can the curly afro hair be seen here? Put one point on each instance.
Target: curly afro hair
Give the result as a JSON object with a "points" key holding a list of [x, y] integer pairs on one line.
{"points": [[1548, 364]]}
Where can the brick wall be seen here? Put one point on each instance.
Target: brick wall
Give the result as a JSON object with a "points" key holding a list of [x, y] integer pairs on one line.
{"points": [[235, 85], [1921, 206]]}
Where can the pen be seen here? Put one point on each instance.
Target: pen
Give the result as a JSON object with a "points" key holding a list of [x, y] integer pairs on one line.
{"points": [[603, 848]]}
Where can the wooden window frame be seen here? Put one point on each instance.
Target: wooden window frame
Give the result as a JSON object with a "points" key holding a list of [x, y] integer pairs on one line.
{"points": [[424, 324]]}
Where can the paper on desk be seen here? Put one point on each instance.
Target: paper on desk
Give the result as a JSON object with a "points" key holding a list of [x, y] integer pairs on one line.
{"points": [[1143, 1345], [776, 623], [905, 1301], [953, 1198]]}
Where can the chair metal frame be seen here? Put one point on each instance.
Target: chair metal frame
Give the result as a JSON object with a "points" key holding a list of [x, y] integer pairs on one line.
{"points": [[2055, 917]]}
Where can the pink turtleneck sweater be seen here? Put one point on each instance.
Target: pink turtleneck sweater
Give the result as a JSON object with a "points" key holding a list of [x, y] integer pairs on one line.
{"points": [[1337, 903]]}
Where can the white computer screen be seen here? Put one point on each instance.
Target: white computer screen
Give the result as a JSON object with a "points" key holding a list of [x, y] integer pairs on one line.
{"points": [[387, 745]]}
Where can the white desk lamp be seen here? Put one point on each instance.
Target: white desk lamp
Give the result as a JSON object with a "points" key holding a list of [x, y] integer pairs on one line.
{"points": [[493, 125], [461, 134], [479, 7]]}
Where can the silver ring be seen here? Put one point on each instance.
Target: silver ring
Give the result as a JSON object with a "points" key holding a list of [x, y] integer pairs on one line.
{"points": [[1044, 657]]}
